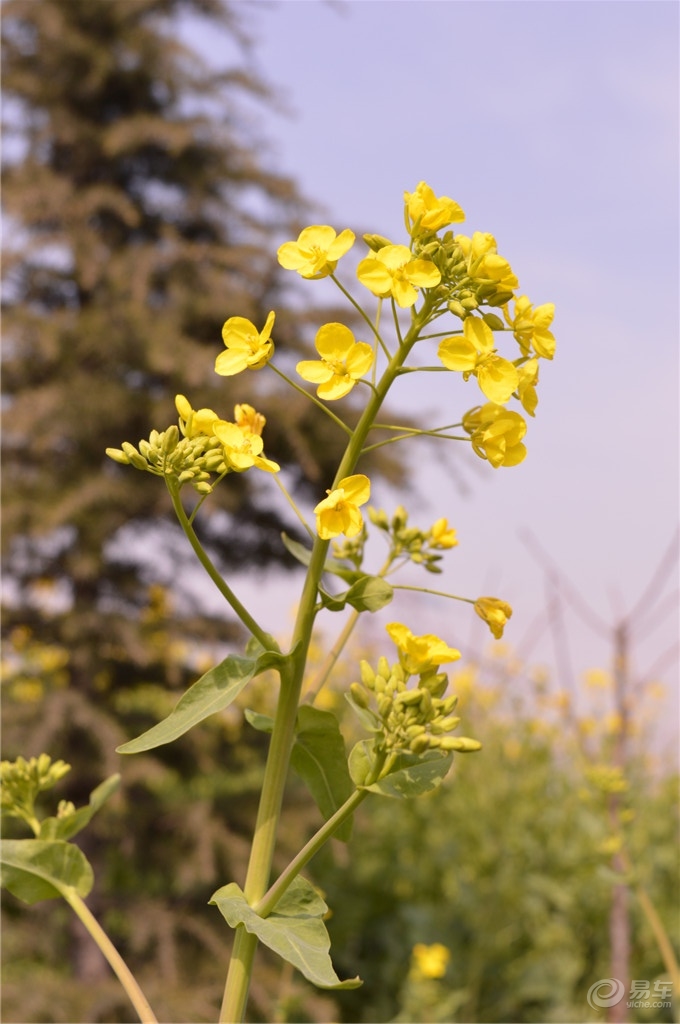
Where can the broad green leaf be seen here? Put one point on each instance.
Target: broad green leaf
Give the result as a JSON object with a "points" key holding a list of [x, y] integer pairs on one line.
{"points": [[319, 758], [411, 775], [263, 723], [303, 555], [212, 693], [65, 828], [369, 594], [35, 869], [295, 929]]}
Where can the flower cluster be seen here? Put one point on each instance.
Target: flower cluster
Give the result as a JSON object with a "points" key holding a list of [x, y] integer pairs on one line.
{"points": [[201, 446], [417, 719], [21, 781], [410, 542]]}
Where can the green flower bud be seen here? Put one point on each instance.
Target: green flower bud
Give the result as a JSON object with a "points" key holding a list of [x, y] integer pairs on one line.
{"points": [[414, 730], [461, 744], [384, 705], [500, 297], [457, 309], [203, 488], [367, 674], [188, 474], [448, 704], [446, 724], [118, 456], [383, 667], [420, 744], [409, 697], [137, 460], [469, 304], [379, 518], [399, 519], [380, 684], [359, 695], [170, 439], [435, 682], [376, 242], [493, 321]]}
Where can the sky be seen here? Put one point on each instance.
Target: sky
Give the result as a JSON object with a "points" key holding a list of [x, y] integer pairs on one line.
{"points": [[555, 126]]}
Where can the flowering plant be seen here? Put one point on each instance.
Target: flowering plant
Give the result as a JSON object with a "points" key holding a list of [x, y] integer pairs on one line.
{"points": [[456, 292]]}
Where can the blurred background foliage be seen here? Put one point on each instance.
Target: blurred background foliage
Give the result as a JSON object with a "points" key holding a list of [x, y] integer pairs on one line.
{"points": [[141, 211]]}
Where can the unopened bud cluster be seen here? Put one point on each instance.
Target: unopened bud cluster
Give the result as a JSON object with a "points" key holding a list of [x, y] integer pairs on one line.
{"points": [[21, 781], [412, 543], [413, 720], [167, 454], [465, 280]]}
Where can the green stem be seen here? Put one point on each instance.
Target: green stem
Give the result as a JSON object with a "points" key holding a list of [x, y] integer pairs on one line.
{"points": [[265, 906], [436, 593], [294, 507], [292, 674], [223, 587], [115, 960], [324, 408]]}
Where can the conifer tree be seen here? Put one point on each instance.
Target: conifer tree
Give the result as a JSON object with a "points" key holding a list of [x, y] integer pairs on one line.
{"points": [[140, 215]]}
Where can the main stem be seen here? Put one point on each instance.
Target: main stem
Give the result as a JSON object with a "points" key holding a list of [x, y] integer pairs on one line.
{"points": [[283, 734]]}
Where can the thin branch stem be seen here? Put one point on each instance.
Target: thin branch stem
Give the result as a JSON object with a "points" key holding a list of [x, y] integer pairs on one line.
{"points": [[336, 419], [223, 587], [294, 507], [115, 960]]}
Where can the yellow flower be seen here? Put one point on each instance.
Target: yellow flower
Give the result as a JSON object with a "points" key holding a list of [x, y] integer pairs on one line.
{"points": [[530, 327], [247, 349], [473, 353], [496, 434], [526, 388], [242, 449], [249, 421], [427, 212], [494, 612], [430, 961], [343, 362], [339, 512], [484, 263], [393, 271], [193, 422], [316, 252], [420, 654], [442, 536]]}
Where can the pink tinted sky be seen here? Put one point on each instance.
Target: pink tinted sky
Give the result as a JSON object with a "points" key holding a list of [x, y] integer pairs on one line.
{"points": [[555, 126]]}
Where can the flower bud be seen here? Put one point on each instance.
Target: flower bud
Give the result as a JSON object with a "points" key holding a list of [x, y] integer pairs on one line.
{"points": [[409, 697], [137, 460], [379, 518], [170, 439], [203, 488], [359, 695], [461, 744], [367, 674], [493, 321], [448, 724], [500, 297], [376, 242], [400, 518], [383, 667], [384, 705], [457, 308], [118, 456], [185, 476], [469, 304], [420, 744]]}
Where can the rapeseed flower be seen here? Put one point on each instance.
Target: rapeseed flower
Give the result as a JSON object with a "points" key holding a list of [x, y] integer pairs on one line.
{"points": [[430, 961], [343, 362], [530, 327], [424, 211], [393, 271], [483, 261], [241, 449], [247, 348], [442, 535], [473, 353], [339, 512], [494, 612], [194, 422], [249, 421], [316, 252], [496, 434], [419, 654]]}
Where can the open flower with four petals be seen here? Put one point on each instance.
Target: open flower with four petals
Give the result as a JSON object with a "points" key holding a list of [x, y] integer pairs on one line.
{"points": [[316, 252], [343, 362], [496, 434], [473, 353], [241, 449], [247, 348], [393, 271], [427, 212], [419, 654]]}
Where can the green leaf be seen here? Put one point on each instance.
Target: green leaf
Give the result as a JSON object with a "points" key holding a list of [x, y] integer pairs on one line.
{"points": [[65, 828], [369, 594], [411, 774], [263, 723], [295, 929], [304, 555], [367, 716], [35, 869], [319, 758], [212, 693]]}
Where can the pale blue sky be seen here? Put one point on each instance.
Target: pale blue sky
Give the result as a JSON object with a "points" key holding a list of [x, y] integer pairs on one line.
{"points": [[555, 126]]}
